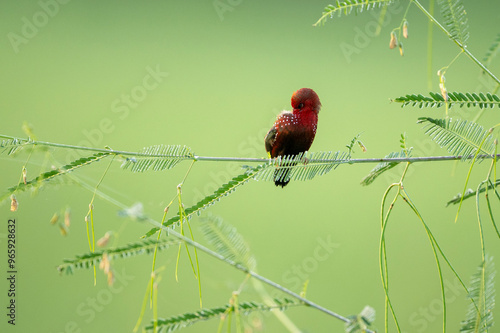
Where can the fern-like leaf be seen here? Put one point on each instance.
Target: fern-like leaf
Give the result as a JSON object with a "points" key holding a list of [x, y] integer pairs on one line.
{"points": [[90, 259], [157, 158], [302, 166], [459, 137], [178, 322], [12, 145], [481, 100], [227, 241], [482, 292], [492, 51], [51, 175], [359, 323], [209, 200], [384, 166], [471, 193], [348, 6], [455, 18]]}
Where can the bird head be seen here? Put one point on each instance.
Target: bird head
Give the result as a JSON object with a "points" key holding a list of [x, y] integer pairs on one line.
{"points": [[306, 98]]}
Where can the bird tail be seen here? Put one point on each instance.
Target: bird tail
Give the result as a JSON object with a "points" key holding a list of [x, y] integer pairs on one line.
{"points": [[282, 175]]}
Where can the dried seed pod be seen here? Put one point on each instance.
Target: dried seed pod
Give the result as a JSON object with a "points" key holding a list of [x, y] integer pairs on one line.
{"points": [[54, 218], [362, 146], [67, 217], [25, 172], [442, 87], [103, 241], [444, 92], [63, 229], [394, 40], [405, 29], [401, 50], [13, 203]]}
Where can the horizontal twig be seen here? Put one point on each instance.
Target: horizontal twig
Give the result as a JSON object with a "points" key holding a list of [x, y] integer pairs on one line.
{"points": [[252, 160]]}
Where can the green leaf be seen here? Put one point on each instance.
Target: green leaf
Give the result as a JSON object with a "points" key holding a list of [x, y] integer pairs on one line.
{"points": [[51, 175], [227, 241], [90, 259], [492, 51], [455, 19], [209, 200], [482, 291], [385, 166], [178, 322], [483, 100], [349, 6], [157, 158], [471, 193], [459, 137], [304, 166], [12, 145], [359, 323]]}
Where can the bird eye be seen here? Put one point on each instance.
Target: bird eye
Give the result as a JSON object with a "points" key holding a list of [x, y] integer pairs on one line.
{"points": [[301, 105]]}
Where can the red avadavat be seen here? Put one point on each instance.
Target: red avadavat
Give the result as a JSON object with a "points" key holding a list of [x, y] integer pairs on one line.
{"points": [[293, 131]]}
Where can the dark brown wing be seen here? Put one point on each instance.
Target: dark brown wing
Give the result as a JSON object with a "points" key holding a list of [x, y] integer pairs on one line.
{"points": [[270, 139]]}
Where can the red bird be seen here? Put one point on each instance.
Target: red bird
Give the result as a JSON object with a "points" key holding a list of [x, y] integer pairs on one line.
{"points": [[293, 131]]}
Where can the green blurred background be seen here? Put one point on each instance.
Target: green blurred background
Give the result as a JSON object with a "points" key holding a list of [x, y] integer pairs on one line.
{"points": [[224, 69]]}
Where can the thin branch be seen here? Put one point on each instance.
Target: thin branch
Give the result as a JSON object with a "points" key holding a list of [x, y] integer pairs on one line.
{"points": [[253, 160]]}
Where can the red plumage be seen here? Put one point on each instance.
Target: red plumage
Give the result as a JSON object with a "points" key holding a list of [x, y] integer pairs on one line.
{"points": [[293, 131]]}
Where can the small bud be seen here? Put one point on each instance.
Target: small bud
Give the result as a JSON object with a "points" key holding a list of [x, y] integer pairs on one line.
{"points": [[394, 40], [444, 92], [104, 264], [401, 51], [405, 29], [25, 172], [87, 219], [166, 209], [13, 203], [67, 217], [491, 130], [111, 278], [103, 241], [362, 146], [63, 229], [54, 218], [91, 206], [496, 142]]}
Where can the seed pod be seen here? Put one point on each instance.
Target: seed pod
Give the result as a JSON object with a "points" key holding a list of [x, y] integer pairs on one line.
{"points": [[13, 203], [63, 229], [111, 278], [405, 29], [103, 241], [444, 92], [54, 218], [67, 217], [394, 40], [25, 172], [362, 146], [442, 80], [401, 51]]}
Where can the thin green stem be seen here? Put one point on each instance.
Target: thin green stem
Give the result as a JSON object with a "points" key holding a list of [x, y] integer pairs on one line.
{"points": [[458, 43], [238, 266], [433, 242], [430, 36], [251, 273]]}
